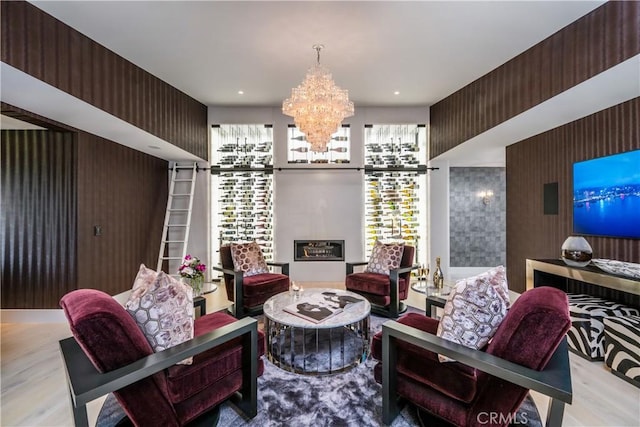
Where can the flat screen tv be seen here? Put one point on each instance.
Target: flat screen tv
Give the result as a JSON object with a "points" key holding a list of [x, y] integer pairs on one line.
{"points": [[606, 196]]}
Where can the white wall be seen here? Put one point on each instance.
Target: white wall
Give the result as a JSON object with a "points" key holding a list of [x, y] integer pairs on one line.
{"points": [[317, 204], [439, 216], [198, 236]]}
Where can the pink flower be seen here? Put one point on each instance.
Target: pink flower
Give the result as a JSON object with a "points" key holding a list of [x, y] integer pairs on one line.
{"points": [[192, 268]]}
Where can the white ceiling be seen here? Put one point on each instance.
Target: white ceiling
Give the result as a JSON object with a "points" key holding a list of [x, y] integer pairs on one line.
{"points": [[212, 49], [7, 123], [426, 50]]}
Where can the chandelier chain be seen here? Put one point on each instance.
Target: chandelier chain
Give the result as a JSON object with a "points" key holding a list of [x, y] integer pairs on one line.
{"points": [[318, 48]]}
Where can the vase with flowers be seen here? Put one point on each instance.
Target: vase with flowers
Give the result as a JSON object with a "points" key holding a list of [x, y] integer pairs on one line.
{"points": [[193, 270]]}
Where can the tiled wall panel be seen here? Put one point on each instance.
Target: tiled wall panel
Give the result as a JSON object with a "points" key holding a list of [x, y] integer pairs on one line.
{"points": [[477, 236]]}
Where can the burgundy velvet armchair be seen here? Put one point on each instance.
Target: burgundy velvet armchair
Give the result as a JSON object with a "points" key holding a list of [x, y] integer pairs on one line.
{"points": [[109, 353], [385, 293], [528, 351], [249, 293]]}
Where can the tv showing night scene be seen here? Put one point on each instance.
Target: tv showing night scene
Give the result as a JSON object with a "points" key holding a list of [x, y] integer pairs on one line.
{"points": [[606, 196]]}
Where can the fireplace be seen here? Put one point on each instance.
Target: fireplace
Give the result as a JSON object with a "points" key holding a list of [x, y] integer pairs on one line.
{"points": [[318, 250]]}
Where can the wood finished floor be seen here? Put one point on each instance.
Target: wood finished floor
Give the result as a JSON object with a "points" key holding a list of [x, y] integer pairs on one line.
{"points": [[34, 389]]}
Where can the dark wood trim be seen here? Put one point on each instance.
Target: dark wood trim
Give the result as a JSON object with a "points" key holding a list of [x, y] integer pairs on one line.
{"points": [[39, 217], [35, 119], [594, 43], [549, 157], [49, 50], [75, 181], [125, 192]]}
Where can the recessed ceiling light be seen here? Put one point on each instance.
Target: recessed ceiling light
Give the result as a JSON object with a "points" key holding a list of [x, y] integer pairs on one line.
{"points": [[240, 92], [396, 93], [155, 147]]}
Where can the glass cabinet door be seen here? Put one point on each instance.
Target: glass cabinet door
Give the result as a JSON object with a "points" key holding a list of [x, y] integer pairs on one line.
{"points": [[242, 185], [338, 148], [395, 190]]}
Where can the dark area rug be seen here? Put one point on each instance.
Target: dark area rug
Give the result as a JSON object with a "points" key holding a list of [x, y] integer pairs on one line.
{"points": [[352, 398]]}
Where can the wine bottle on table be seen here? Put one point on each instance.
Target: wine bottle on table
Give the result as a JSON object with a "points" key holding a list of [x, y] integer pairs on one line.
{"points": [[438, 276]]}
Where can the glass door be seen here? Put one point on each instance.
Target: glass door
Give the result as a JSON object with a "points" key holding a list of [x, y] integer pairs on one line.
{"points": [[242, 185], [396, 185]]}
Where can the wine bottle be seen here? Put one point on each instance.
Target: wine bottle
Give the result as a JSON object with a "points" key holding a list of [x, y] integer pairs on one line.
{"points": [[300, 149], [298, 138], [339, 149], [438, 276]]}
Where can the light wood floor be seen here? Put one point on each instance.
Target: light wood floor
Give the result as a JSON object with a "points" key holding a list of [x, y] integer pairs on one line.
{"points": [[34, 390]]}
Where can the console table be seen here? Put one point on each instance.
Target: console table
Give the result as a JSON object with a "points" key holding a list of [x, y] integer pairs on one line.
{"points": [[590, 280]]}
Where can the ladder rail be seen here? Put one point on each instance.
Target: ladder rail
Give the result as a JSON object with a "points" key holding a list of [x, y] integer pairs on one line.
{"points": [[167, 216], [185, 226], [194, 172]]}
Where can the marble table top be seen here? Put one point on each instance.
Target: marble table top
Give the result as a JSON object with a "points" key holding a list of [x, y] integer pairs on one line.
{"points": [[351, 312]]}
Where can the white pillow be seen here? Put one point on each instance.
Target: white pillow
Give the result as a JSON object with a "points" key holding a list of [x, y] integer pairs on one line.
{"points": [[163, 309], [145, 277], [474, 309]]}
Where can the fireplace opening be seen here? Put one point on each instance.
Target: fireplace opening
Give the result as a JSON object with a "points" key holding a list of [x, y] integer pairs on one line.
{"points": [[318, 250]]}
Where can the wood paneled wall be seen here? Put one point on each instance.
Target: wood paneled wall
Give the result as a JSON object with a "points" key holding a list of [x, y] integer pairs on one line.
{"points": [[547, 158], [56, 186], [125, 193], [601, 39], [39, 205], [49, 50]]}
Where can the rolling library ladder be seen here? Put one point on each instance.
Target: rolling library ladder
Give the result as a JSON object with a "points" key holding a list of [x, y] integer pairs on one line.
{"points": [[177, 219]]}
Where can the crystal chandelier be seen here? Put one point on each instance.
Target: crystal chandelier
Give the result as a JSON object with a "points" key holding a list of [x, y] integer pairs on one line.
{"points": [[318, 106]]}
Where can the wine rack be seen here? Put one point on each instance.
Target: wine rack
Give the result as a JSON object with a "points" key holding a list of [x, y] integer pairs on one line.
{"points": [[242, 187], [338, 148], [394, 175]]}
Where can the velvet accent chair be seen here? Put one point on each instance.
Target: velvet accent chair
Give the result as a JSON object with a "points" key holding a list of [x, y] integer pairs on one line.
{"points": [[109, 353], [249, 293], [385, 293], [482, 387]]}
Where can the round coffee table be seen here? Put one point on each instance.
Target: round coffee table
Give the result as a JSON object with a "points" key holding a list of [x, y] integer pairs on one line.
{"points": [[317, 347]]}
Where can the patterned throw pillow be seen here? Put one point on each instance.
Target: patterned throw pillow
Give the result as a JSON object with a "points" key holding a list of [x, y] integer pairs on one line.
{"points": [[145, 277], [385, 257], [163, 309], [474, 309], [247, 257]]}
